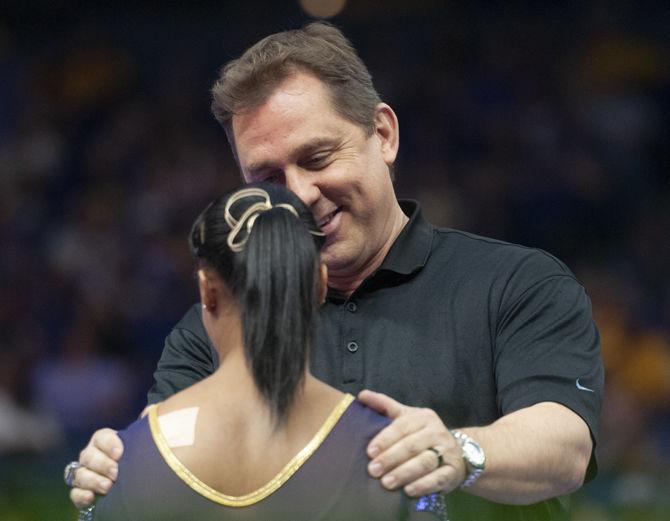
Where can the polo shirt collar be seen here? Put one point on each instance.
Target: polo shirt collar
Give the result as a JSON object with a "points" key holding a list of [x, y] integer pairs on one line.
{"points": [[411, 249], [408, 254]]}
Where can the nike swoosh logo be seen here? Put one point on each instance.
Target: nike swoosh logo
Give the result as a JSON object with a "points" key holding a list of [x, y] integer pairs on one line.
{"points": [[581, 387]]}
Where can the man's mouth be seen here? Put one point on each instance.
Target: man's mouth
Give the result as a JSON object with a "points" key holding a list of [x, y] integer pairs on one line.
{"points": [[327, 222]]}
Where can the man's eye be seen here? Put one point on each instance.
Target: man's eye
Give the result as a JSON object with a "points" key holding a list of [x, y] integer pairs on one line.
{"points": [[316, 161], [271, 178]]}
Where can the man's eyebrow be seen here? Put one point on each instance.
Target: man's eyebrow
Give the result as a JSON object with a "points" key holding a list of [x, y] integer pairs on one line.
{"points": [[303, 150], [256, 168], [315, 145]]}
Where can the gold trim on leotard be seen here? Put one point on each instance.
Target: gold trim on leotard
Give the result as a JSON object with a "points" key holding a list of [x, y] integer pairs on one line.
{"points": [[261, 493]]}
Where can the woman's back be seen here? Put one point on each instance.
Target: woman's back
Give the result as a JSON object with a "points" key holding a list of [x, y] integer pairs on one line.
{"points": [[326, 480], [221, 430]]}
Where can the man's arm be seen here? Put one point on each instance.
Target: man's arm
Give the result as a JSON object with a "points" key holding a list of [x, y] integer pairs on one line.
{"points": [[549, 377], [532, 454], [187, 358], [536, 453]]}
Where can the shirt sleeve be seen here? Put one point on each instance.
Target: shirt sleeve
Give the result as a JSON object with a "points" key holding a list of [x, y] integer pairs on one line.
{"points": [[547, 344], [187, 358]]}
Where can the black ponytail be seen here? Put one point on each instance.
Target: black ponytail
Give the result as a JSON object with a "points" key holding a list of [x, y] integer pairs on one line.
{"points": [[274, 279]]}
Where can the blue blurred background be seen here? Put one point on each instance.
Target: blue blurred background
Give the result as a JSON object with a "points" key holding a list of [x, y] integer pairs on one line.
{"points": [[545, 124]]}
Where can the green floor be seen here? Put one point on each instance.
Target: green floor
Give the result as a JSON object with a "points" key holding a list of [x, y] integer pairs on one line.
{"points": [[31, 489]]}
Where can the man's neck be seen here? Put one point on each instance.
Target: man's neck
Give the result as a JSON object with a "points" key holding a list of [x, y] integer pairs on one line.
{"points": [[347, 283]]}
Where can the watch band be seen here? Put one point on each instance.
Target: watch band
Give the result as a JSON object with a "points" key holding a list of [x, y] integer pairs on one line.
{"points": [[86, 514], [473, 456]]}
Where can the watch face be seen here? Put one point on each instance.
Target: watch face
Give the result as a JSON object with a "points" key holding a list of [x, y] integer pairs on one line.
{"points": [[474, 454]]}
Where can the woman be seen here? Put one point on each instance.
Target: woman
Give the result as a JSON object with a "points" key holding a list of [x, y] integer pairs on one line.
{"points": [[260, 439]]}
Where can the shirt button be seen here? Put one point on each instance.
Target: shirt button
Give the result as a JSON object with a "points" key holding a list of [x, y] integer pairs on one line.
{"points": [[352, 347], [351, 306]]}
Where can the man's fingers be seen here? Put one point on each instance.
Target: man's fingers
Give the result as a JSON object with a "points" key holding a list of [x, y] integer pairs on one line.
{"points": [[98, 457], [81, 498], [86, 479], [401, 457], [424, 464], [411, 470], [99, 468], [96, 462], [108, 441], [412, 420], [381, 403], [410, 447], [444, 479]]}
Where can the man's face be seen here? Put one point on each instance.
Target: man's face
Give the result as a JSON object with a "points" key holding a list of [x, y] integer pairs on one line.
{"points": [[296, 138]]}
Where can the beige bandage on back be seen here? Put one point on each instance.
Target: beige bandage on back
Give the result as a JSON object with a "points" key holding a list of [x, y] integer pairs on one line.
{"points": [[178, 427]]}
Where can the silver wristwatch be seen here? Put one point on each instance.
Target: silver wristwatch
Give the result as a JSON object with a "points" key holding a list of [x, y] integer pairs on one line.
{"points": [[473, 455]]}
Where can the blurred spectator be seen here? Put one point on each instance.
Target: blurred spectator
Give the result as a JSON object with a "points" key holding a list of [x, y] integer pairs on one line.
{"points": [[81, 386], [22, 429]]}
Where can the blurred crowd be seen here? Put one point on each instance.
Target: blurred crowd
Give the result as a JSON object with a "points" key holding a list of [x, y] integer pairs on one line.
{"points": [[543, 126]]}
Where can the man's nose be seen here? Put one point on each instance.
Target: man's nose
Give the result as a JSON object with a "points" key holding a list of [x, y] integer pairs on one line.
{"points": [[300, 184]]}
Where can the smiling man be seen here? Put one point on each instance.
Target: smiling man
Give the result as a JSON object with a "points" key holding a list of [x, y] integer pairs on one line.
{"points": [[486, 352], [339, 170]]}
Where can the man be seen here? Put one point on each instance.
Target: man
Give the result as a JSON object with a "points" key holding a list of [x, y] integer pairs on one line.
{"points": [[466, 333]]}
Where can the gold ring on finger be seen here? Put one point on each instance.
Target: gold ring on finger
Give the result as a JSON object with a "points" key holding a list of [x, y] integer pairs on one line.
{"points": [[438, 453]]}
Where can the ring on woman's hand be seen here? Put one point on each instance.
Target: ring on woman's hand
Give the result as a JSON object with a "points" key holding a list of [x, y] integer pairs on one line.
{"points": [[438, 453], [69, 472]]}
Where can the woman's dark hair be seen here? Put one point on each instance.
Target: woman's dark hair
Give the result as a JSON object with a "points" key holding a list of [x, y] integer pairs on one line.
{"points": [[274, 280]]}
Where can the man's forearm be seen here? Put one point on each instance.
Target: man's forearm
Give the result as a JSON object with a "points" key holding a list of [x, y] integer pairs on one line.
{"points": [[532, 454]]}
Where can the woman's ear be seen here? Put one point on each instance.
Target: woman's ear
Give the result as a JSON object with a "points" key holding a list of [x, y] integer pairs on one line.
{"points": [[207, 288], [323, 282]]}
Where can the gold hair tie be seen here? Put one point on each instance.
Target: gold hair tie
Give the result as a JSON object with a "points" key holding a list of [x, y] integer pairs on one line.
{"points": [[248, 218]]}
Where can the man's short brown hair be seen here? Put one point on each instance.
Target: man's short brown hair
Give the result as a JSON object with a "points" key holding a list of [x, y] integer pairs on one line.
{"points": [[318, 48]]}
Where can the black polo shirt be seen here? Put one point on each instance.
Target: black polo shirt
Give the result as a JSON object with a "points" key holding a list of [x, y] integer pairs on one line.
{"points": [[470, 327]]}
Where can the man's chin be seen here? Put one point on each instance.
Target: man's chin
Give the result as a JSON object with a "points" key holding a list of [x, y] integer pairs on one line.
{"points": [[332, 256], [329, 260], [338, 258]]}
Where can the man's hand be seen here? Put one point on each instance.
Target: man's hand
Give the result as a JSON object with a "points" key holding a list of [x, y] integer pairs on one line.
{"points": [[99, 467], [532, 454], [401, 453]]}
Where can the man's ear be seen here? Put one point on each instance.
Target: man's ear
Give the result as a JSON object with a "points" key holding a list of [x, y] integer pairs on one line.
{"points": [[207, 289], [323, 282], [388, 132]]}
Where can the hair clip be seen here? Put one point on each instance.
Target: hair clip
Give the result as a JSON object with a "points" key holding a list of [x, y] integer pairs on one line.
{"points": [[248, 218]]}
